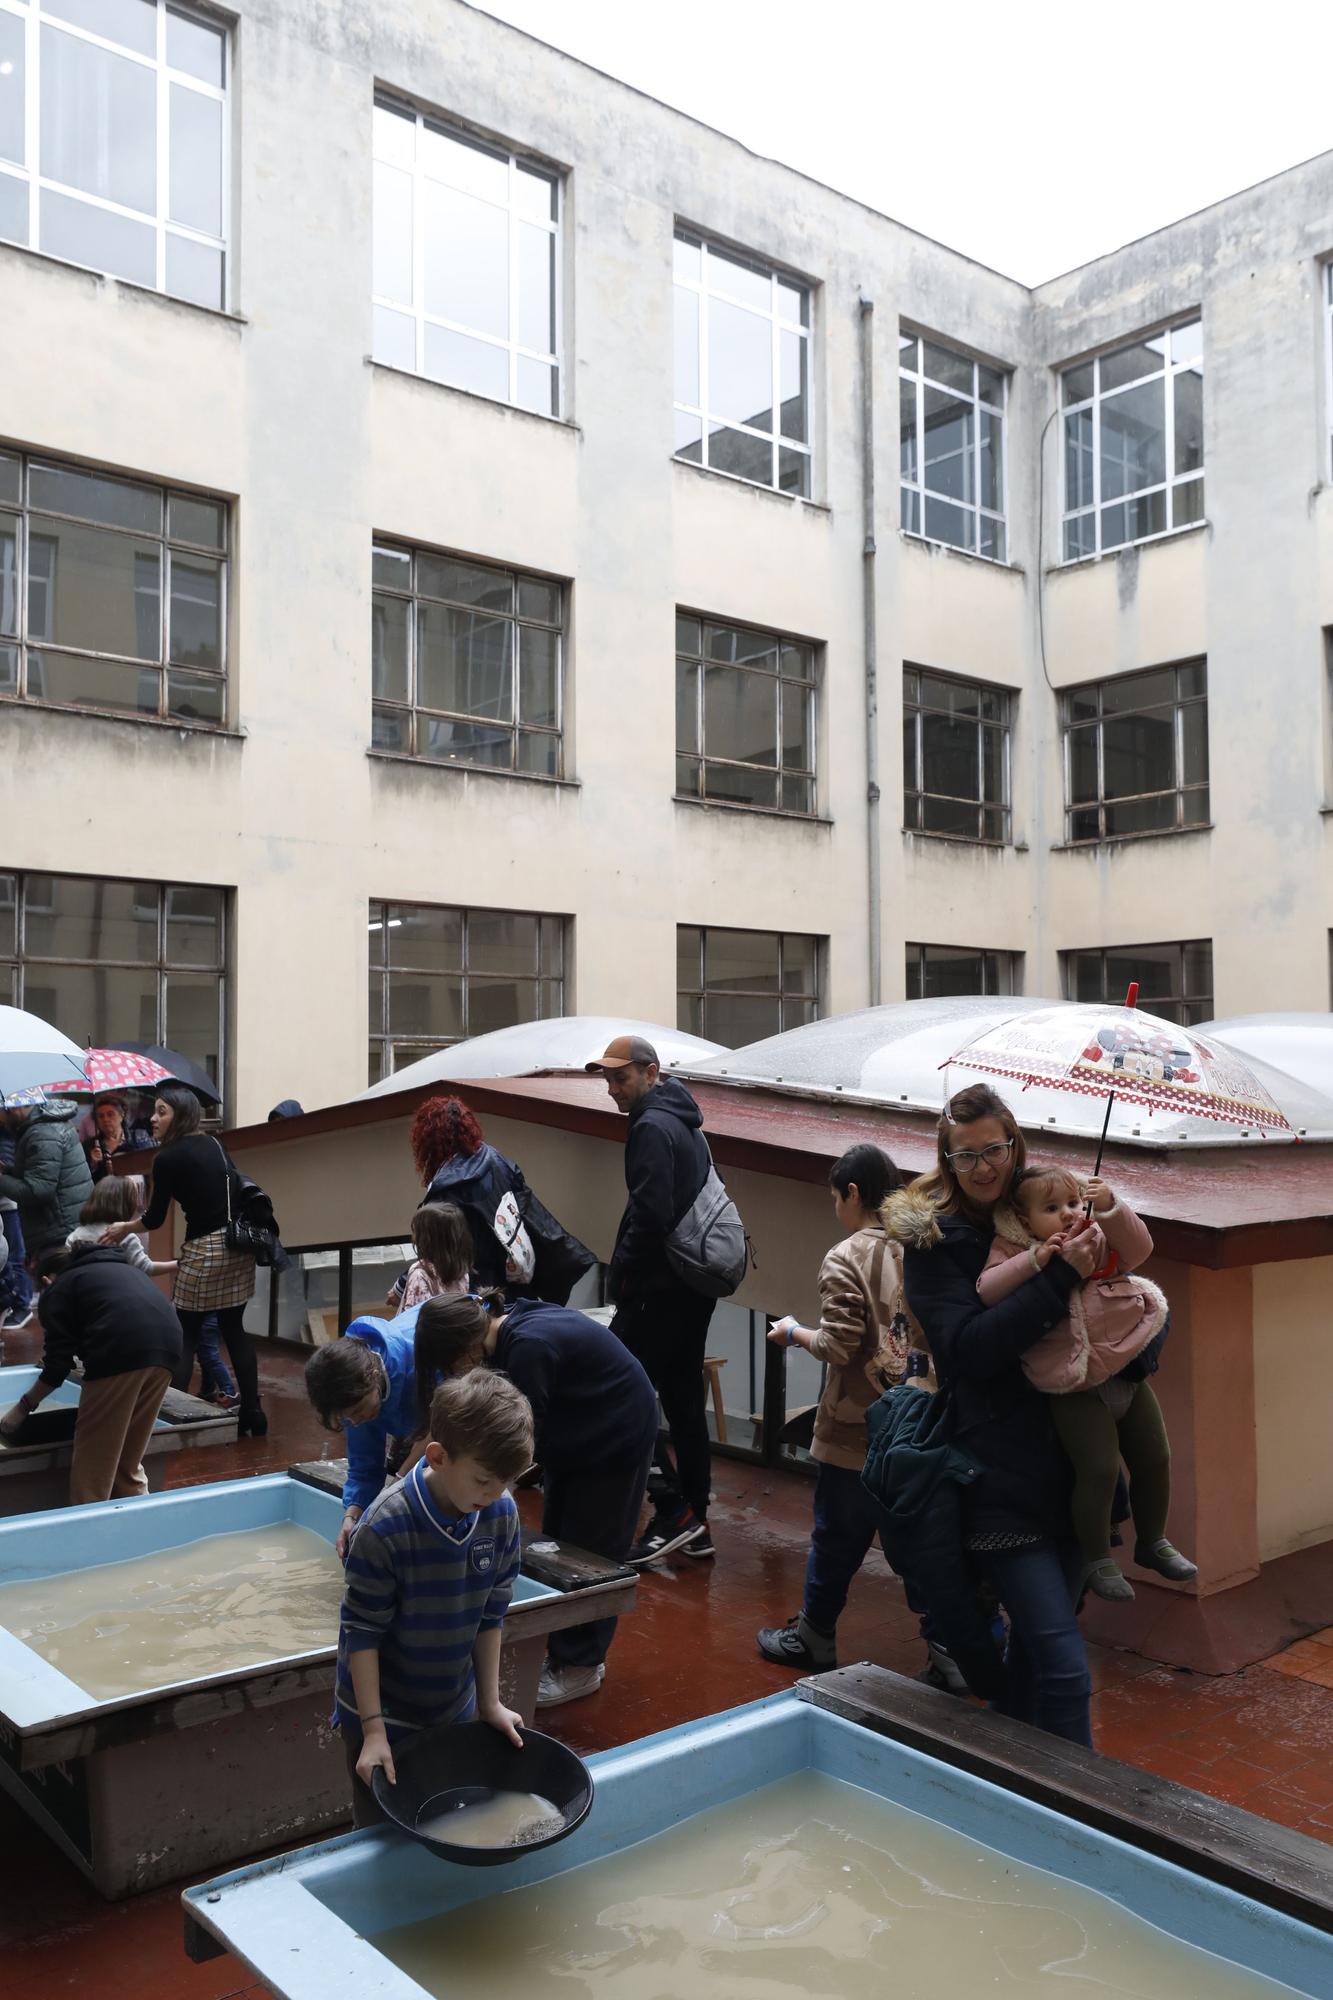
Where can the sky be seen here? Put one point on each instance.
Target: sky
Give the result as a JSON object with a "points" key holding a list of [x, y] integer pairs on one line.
{"points": [[1032, 137]]}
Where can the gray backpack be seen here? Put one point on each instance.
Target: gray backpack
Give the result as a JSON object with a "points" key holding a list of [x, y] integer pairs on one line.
{"points": [[708, 1249]]}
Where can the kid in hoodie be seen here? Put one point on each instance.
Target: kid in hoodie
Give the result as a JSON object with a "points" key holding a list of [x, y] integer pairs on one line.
{"points": [[1099, 1416]]}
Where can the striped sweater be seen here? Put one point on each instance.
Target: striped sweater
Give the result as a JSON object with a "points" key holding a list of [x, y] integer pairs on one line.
{"points": [[421, 1584]]}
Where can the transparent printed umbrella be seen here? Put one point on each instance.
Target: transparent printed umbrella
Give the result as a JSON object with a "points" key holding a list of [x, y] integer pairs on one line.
{"points": [[1120, 1073], [32, 1052], [110, 1069]]}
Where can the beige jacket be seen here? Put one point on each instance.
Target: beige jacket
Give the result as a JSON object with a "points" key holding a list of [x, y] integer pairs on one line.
{"points": [[864, 1334]]}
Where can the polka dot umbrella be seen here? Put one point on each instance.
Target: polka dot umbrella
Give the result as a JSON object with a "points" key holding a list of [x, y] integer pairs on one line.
{"points": [[110, 1069]]}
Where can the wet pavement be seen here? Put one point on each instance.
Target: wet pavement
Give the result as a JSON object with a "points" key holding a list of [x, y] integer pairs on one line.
{"points": [[1262, 1739]]}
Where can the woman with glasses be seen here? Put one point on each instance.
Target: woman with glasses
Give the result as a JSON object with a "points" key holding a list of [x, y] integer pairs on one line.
{"points": [[365, 1384], [1017, 1524]]}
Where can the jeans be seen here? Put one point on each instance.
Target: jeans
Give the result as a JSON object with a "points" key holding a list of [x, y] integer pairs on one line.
{"points": [[214, 1375], [1046, 1664], [240, 1347], [15, 1284], [667, 1332], [596, 1508], [844, 1528]]}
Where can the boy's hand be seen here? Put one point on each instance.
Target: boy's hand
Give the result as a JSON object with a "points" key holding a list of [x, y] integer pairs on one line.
{"points": [[507, 1720], [777, 1333], [375, 1755], [1101, 1196], [12, 1421]]}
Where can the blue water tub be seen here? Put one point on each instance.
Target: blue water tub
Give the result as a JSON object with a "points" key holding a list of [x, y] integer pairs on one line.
{"points": [[144, 1788], [33, 1476], [306, 1925]]}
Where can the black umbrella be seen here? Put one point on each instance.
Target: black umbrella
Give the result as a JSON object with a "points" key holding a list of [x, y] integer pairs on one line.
{"points": [[183, 1068]]}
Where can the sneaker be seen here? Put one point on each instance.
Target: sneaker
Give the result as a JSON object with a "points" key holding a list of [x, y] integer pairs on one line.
{"points": [[667, 1533], [223, 1400], [1166, 1560], [942, 1671], [700, 1548], [797, 1644], [16, 1317], [1105, 1580], [560, 1684]]}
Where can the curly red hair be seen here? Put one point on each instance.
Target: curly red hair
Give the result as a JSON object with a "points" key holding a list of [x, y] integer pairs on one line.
{"points": [[443, 1129]]}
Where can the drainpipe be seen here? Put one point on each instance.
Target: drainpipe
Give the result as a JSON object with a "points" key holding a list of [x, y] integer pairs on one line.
{"points": [[873, 871]]}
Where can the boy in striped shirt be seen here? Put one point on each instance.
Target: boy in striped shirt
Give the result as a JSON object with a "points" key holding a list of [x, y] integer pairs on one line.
{"points": [[429, 1576]]}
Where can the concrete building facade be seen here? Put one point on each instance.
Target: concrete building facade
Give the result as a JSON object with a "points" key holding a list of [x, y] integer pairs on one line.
{"points": [[408, 281]]}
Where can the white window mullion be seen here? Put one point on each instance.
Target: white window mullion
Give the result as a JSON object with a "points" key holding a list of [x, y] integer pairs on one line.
{"points": [[418, 251], [511, 232], [705, 387], [163, 149], [32, 107], [1169, 441]]}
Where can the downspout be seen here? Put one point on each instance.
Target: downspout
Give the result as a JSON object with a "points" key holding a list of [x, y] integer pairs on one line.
{"points": [[873, 870]]}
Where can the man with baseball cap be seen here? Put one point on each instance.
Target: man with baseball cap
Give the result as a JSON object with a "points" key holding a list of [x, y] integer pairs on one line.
{"points": [[660, 1319]]}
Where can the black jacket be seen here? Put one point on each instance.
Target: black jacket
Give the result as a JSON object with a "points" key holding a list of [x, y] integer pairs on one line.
{"points": [[666, 1164], [110, 1315], [593, 1407], [477, 1183], [917, 1480], [1001, 1421]]}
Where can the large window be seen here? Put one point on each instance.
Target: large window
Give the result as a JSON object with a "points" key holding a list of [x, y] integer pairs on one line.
{"points": [[1134, 441], [736, 987], [955, 757], [466, 261], [1174, 980], [742, 333], [942, 971], [745, 716], [467, 662], [1136, 753], [102, 960], [113, 140], [443, 975], [951, 444], [112, 592]]}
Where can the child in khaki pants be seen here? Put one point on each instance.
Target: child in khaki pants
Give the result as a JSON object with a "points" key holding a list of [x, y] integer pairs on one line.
{"points": [[96, 1306]]}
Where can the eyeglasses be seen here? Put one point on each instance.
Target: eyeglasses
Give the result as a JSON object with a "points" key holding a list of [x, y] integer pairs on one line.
{"points": [[967, 1162]]}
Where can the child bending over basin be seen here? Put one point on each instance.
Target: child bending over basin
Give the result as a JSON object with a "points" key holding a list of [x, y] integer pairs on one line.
{"points": [[430, 1572], [1091, 1367]]}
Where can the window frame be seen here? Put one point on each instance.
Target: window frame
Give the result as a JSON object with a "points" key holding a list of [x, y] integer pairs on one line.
{"points": [[1182, 788], [703, 992], [777, 276], [917, 795], [910, 335], [162, 966], [415, 712], [807, 774], [170, 546], [1192, 1008], [380, 909], [1007, 962], [1328, 370], [1168, 486], [164, 227], [515, 158]]}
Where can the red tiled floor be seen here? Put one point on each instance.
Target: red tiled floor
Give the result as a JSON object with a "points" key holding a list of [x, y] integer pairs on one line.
{"points": [[1262, 1739]]}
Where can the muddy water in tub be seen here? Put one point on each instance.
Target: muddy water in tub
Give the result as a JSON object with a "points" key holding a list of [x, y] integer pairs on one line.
{"points": [[810, 1889], [506, 1819], [206, 1607]]}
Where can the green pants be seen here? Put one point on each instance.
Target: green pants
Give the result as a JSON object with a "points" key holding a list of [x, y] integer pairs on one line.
{"points": [[1095, 1444]]}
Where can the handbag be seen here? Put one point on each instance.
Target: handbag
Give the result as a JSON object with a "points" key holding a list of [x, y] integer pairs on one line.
{"points": [[254, 1231]]}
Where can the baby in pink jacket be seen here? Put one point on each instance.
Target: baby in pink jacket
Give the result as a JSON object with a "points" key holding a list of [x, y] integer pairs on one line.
{"points": [[1099, 1416]]}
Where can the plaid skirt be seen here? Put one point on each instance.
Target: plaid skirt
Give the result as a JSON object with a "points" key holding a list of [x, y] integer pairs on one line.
{"points": [[210, 1276]]}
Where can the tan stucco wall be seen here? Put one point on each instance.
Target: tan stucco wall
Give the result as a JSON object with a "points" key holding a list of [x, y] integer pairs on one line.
{"points": [[1293, 1381]]}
